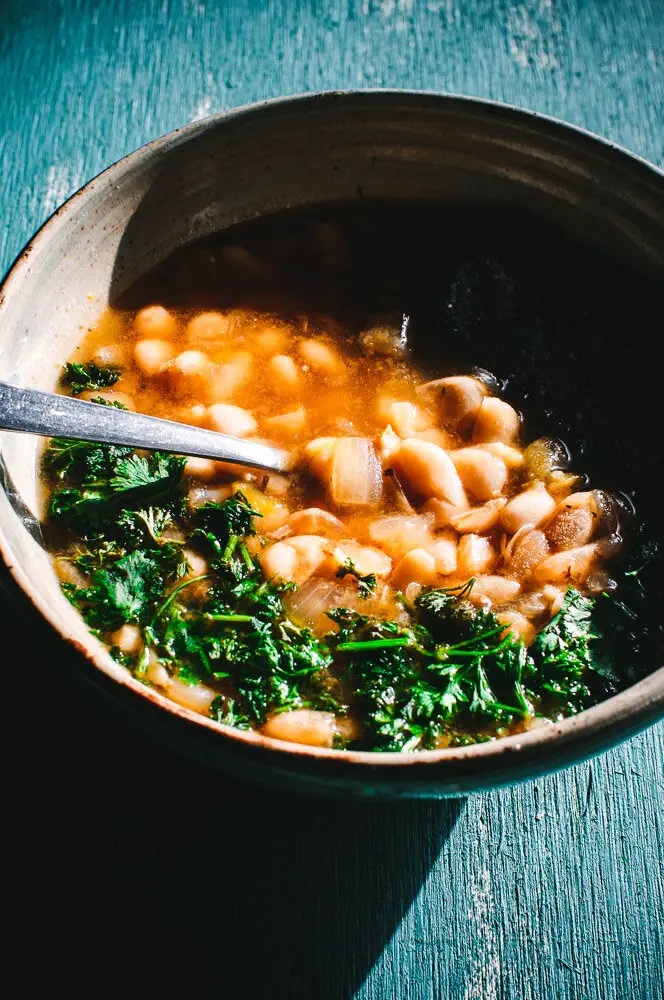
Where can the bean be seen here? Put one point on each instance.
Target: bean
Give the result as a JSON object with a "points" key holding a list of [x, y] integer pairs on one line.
{"points": [[533, 507], [365, 559], [209, 326], [128, 639], [302, 725], [155, 321], [203, 469], [314, 521], [479, 519], [569, 566], [532, 548], [518, 625], [496, 421], [233, 420], [152, 356], [225, 380], [417, 566], [404, 417], [283, 374], [498, 589], [287, 426], [572, 524], [476, 555], [459, 399], [512, 457], [321, 358], [429, 471], [483, 475], [444, 549], [110, 354]]}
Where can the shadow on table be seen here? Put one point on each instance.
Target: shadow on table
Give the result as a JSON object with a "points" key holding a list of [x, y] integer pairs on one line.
{"points": [[136, 868]]}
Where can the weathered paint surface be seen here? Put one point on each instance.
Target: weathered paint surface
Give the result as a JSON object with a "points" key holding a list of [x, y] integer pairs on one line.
{"points": [[551, 890]]}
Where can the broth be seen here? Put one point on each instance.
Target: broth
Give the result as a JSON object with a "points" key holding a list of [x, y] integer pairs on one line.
{"points": [[460, 549]]}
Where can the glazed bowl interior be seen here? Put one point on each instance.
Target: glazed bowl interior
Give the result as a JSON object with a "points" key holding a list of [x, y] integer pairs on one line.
{"points": [[547, 269]]}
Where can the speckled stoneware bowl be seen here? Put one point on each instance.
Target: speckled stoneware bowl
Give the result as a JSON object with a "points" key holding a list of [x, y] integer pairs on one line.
{"points": [[258, 160]]}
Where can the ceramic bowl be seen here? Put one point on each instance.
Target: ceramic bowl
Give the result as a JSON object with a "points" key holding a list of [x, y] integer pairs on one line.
{"points": [[295, 152]]}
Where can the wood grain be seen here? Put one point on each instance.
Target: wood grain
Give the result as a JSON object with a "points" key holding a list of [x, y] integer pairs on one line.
{"points": [[552, 889]]}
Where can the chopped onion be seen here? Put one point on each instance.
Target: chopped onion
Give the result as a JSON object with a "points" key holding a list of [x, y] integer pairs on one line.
{"points": [[546, 455], [356, 477], [309, 603], [399, 533]]}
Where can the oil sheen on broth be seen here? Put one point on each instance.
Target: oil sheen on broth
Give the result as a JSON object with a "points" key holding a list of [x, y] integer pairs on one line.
{"points": [[405, 484]]}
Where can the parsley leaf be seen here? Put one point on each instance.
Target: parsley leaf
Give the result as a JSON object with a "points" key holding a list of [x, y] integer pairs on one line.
{"points": [[365, 584], [88, 377]]}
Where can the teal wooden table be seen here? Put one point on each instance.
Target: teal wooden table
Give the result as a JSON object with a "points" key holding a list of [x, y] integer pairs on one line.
{"points": [[137, 871]]}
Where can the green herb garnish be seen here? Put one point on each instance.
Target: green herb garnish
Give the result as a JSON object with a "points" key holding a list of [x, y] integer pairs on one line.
{"points": [[448, 671], [366, 585], [89, 377]]}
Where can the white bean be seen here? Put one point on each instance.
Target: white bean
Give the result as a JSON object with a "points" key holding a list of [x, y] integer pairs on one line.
{"points": [[512, 457], [417, 566], [498, 589], [302, 725], [203, 469], [233, 420], [286, 426], [151, 356], [476, 555], [459, 400], [429, 472], [196, 563], [444, 549], [190, 371], [570, 566], [278, 561], [225, 380], [531, 549], [365, 559], [318, 456], [128, 639], [110, 354], [483, 475], [271, 341], [155, 321], [533, 506], [496, 421], [283, 374], [321, 358], [399, 533], [572, 523], [518, 624], [479, 519], [406, 418], [209, 327]]}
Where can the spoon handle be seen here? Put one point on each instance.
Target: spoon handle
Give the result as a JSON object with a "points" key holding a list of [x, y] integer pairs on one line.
{"points": [[51, 415]]}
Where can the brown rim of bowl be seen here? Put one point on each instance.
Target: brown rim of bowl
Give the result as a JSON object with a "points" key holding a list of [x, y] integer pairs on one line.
{"points": [[608, 722]]}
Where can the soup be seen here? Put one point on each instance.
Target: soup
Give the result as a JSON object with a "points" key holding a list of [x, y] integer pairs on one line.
{"points": [[426, 577]]}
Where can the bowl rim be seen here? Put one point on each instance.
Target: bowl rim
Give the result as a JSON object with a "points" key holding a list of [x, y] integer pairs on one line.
{"points": [[608, 722]]}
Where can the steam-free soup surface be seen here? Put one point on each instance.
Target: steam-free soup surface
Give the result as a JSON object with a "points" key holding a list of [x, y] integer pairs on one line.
{"points": [[425, 578]]}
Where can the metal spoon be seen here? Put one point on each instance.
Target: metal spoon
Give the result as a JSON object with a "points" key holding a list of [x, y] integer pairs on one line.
{"points": [[48, 414]]}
